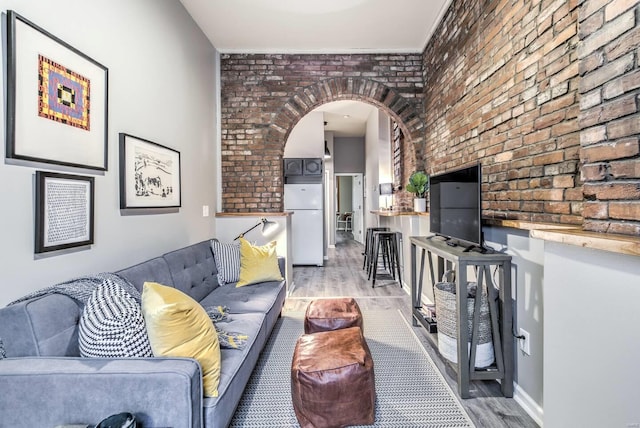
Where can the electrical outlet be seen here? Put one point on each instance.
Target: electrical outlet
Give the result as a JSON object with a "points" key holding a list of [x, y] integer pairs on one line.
{"points": [[525, 343]]}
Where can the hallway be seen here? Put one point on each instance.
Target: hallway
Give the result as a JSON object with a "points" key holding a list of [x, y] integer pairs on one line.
{"points": [[342, 275]]}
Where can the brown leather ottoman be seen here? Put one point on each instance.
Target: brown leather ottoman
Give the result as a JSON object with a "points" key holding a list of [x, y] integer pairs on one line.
{"points": [[332, 314], [332, 381]]}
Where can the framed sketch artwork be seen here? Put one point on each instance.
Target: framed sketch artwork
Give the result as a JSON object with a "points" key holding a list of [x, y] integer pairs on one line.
{"points": [[149, 174], [64, 211], [56, 99]]}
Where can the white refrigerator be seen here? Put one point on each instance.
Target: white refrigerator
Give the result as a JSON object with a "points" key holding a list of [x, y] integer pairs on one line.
{"points": [[307, 234]]}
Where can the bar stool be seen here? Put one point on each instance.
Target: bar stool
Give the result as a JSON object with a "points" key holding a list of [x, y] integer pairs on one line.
{"points": [[385, 246], [368, 246]]}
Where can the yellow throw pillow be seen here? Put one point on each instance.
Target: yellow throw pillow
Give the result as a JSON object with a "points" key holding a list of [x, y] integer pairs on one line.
{"points": [[258, 263], [178, 326]]}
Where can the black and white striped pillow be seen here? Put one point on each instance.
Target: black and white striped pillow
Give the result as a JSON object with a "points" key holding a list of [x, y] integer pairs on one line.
{"points": [[227, 257], [112, 325]]}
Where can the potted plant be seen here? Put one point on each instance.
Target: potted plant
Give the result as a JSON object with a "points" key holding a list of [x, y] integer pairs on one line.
{"points": [[419, 185]]}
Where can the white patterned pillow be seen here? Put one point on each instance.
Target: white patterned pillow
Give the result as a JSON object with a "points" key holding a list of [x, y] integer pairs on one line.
{"points": [[227, 257], [2, 353], [112, 325]]}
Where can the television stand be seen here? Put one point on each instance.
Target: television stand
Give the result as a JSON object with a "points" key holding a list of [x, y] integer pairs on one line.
{"points": [[500, 307]]}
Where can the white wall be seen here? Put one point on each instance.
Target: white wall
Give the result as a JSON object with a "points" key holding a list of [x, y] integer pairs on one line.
{"points": [[307, 137], [228, 228], [371, 144], [329, 188], [161, 88], [385, 172], [409, 225], [592, 338]]}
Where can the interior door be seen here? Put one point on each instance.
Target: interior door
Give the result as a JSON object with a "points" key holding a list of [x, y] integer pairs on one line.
{"points": [[357, 196]]}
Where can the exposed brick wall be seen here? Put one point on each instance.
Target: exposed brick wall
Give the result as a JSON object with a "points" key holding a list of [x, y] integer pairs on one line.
{"points": [[501, 87], [545, 93], [263, 96], [609, 114]]}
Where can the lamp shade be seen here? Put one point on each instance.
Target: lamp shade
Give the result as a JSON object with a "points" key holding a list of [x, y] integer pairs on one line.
{"points": [[386, 188]]}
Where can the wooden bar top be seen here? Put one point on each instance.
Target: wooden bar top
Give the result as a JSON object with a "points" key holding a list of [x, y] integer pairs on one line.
{"points": [[393, 213]]}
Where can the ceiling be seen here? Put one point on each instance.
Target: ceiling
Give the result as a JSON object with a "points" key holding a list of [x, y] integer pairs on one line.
{"points": [[317, 26], [346, 118], [320, 26]]}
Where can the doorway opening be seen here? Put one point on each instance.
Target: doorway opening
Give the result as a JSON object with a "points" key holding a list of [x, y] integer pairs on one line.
{"points": [[349, 203]]}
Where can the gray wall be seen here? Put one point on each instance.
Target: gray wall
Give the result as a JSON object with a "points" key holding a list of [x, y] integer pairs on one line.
{"points": [[161, 88], [348, 154], [527, 275]]}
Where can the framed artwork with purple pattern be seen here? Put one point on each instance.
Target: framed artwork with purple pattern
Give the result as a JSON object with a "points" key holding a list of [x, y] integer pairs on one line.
{"points": [[56, 99]]}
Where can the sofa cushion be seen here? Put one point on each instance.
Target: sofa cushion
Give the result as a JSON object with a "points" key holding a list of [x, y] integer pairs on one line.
{"points": [[193, 270], [156, 270], [112, 325], [227, 257], [236, 368], [258, 263], [178, 326], [255, 298]]}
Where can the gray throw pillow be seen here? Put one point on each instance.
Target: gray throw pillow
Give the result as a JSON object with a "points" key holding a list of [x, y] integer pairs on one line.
{"points": [[112, 325], [227, 257]]}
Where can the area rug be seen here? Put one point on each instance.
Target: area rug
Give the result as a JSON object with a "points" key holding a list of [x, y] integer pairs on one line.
{"points": [[410, 390]]}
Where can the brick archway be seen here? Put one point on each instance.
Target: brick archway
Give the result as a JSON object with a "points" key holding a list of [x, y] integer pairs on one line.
{"points": [[368, 91], [345, 88]]}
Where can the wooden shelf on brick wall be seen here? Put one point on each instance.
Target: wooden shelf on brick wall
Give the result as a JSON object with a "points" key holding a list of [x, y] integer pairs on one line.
{"points": [[621, 244], [573, 235]]}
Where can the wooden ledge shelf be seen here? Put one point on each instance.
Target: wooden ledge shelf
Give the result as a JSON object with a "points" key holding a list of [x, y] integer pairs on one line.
{"points": [[571, 234], [621, 244], [528, 225], [256, 214]]}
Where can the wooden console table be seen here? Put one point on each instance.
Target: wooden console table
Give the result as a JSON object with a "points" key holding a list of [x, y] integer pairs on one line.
{"points": [[500, 306]]}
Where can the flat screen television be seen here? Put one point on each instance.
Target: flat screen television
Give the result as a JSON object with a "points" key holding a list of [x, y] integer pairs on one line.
{"points": [[455, 209]]}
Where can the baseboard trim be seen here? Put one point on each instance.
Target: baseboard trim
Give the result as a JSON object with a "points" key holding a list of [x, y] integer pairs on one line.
{"points": [[528, 404]]}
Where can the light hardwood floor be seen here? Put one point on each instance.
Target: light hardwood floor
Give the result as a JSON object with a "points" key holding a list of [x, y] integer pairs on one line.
{"points": [[342, 275]]}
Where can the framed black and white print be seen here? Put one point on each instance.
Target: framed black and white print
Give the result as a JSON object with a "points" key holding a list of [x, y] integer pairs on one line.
{"points": [[64, 211], [56, 99], [149, 174]]}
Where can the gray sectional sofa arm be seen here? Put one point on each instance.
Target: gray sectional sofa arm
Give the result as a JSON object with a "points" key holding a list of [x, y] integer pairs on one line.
{"points": [[162, 392]]}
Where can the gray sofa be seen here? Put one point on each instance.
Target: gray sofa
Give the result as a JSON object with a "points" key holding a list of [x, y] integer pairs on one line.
{"points": [[44, 381]]}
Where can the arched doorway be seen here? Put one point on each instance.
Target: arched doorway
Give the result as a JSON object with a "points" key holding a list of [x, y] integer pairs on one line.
{"points": [[386, 103], [401, 110]]}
